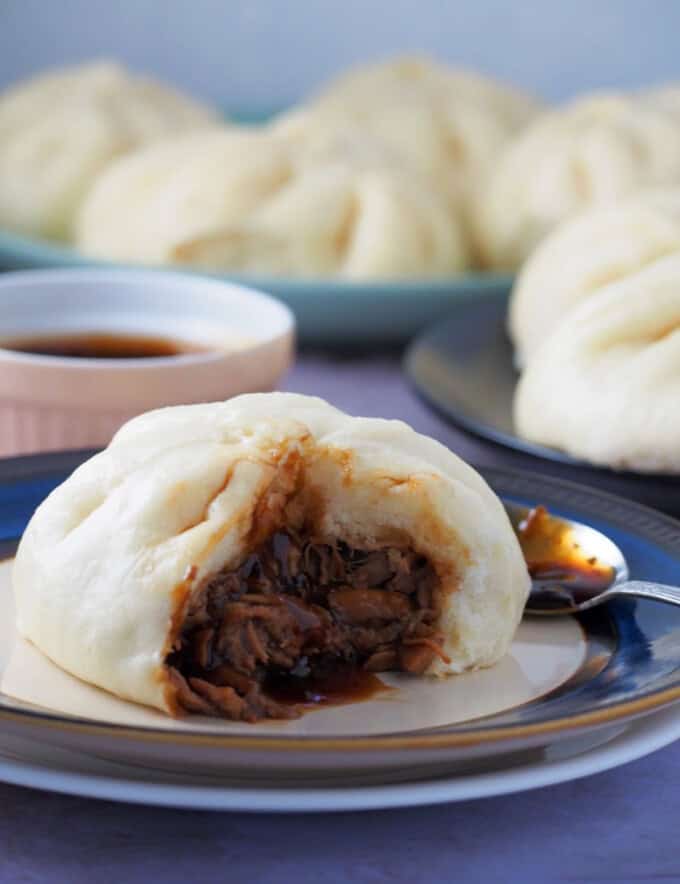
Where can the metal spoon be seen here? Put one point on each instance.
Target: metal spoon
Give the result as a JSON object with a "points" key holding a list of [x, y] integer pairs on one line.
{"points": [[551, 596]]}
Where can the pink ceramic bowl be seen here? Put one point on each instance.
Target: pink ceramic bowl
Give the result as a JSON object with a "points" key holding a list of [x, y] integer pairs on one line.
{"points": [[55, 402]]}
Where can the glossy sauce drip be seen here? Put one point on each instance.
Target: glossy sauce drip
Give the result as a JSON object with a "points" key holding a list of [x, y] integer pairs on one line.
{"points": [[344, 685], [102, 345], [556, 562]]}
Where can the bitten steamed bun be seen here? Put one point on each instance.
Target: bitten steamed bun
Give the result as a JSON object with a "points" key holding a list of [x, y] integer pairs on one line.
{"points": [[450, 124], [599, 246], [605, 385], [245, 200], [211, 546], [59, 130], [590, 152]]}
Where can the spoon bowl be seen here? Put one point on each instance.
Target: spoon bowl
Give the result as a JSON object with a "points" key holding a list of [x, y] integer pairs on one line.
{"points": [[574, 567]]}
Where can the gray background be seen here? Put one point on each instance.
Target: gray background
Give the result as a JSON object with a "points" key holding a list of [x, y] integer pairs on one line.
{"points": [[264, 53]]}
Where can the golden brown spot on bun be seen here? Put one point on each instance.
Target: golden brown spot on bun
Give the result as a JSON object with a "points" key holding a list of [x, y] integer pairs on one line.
{"points": [[341, 457]]}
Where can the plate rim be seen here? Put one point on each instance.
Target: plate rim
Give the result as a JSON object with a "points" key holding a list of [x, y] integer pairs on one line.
{"points": [[647, 521], [486, 431], [640, 739]]}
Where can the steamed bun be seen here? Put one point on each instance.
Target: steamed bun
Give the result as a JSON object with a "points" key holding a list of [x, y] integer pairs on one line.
{"points": [[164, 541], [591, 152], [59, 130], [666, 97], [420, 78], [599, 246], [605, 385], [245, 200], [450, 124]]}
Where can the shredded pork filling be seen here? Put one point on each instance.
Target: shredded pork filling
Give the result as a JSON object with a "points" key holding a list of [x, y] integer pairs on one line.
{"points": [[298, 608]]}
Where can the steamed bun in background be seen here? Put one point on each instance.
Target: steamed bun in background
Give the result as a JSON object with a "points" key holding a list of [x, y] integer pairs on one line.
{"points": [[599, 246], [593, 151], [246, 200], [605, 385], [60, 129], [449, 124]]}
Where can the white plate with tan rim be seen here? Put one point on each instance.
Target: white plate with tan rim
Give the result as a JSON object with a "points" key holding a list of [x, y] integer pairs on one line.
{"points": [[41, 766], [564, 679]]}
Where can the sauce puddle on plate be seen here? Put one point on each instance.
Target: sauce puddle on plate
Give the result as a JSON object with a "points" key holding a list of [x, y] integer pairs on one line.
{"points": [[345, 685]]}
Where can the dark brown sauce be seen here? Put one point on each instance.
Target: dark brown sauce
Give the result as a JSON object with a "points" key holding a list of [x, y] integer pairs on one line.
{"points": [[555, 558], [345, 685], [102, 345]]}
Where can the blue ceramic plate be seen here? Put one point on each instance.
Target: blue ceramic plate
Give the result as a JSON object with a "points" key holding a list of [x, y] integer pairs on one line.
{"points": [[462, 366], [618, 663], [327, 311]]}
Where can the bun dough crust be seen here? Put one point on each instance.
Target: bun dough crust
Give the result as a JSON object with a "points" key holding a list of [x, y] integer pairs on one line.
{"points": [[581, 256], [248, 201], [110, 559], [590, 152], [59, 130], [605, 385]]}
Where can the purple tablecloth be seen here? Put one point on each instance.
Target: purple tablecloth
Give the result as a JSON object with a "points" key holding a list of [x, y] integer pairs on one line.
{"points": [[617, 827]]}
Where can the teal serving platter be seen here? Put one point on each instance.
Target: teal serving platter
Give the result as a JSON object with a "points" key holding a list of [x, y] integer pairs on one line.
{"points": [[333, 312]]}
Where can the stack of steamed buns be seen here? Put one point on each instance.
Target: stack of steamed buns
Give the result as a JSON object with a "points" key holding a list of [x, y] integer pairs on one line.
{"points": [[403, 168], [376, 177]]}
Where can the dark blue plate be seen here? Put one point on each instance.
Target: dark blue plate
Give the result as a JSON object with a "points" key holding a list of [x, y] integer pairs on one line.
{"points": [[632, 665], [463, 368]]}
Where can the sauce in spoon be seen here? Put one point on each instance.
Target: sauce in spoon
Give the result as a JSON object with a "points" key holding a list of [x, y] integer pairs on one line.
{"points": [[560, 570]]}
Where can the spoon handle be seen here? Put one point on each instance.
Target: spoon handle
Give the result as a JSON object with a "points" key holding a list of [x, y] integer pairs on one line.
{"points": [[658, 591]]}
